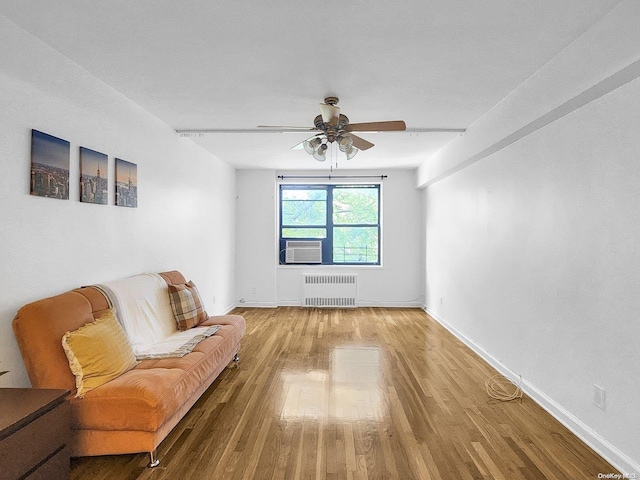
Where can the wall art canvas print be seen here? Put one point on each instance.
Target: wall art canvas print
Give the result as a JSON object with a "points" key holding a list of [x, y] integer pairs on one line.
{"points": [[49, 166], [93, 176], [126, 183]]}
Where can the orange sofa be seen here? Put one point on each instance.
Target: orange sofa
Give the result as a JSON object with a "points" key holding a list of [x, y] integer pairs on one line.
{"points": [[134, 412]]}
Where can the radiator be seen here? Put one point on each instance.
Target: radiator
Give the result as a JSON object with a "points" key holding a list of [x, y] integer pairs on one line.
{"points": [[330, 290]]}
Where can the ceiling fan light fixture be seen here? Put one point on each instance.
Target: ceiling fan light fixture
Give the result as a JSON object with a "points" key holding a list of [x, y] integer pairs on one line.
{"points": [[321, 153], [311, 145], [351, 152], [344, 142]]}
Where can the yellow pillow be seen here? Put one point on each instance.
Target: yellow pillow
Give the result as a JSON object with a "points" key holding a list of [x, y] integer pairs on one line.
{"points": [[98, 352]]}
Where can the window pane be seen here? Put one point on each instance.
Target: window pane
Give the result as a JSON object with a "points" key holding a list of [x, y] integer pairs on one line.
{"points": [[304, 207], [355, 245], [355, 206], [304, 194], [304, 233]]}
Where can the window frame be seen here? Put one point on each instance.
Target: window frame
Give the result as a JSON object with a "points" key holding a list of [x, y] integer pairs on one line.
{"points": [[327, 241]]}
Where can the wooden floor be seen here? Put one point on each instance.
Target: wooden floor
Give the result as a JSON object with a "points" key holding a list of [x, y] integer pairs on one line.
{"points": [[356, 393]]}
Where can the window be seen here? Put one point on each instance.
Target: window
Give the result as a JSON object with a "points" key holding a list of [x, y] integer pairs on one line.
{"points": [[346, 218]]}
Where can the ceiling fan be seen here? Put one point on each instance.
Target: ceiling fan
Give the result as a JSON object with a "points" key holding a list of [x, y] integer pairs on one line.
{"points": [[332, 126]]}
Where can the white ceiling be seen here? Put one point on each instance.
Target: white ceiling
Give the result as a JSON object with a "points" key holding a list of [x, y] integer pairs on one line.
{"points": [[237, 64]]}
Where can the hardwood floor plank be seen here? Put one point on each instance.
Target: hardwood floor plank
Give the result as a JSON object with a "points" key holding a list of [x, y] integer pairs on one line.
{"points": [[367, 393]]}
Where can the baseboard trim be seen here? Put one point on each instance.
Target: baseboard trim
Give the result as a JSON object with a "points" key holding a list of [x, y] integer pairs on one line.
{"points": [[298, 303], [596, 442], [224, 311], [256, 305], [364, 303], [289, 303]]}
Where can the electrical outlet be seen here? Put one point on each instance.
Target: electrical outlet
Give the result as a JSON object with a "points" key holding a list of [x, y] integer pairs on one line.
{"points": [[441, 300], [213, 299], [598, 397]]}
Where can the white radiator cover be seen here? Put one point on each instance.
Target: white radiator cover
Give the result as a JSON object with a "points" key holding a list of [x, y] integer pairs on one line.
{"points": [[320, 290]]}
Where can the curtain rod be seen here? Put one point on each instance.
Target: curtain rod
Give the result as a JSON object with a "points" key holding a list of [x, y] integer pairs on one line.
{"points": [[329, 177]]}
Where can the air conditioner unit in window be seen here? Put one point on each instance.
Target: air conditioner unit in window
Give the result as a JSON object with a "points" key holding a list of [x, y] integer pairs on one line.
{"points": [[303, 251]]}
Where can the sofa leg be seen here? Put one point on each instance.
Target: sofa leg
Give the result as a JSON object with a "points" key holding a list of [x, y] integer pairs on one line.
{"points": [[154, 462]]}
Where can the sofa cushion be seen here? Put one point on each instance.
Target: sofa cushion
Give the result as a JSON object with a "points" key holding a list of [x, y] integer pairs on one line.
{"points": [[186, 305], [146, 396], [98, 352]]}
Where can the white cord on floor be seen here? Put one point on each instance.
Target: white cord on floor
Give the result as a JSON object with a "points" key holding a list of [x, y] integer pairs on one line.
{"points": [[496, 389]]}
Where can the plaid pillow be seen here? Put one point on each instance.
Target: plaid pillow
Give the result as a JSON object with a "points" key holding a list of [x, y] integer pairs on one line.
{"points": [[186, 305]]}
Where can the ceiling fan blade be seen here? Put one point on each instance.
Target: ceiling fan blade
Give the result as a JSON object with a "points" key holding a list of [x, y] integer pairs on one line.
{"points": [[391, 126], [330, 114], [360, 143]]}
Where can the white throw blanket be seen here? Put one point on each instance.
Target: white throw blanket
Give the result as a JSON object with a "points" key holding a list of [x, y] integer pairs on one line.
{"points": [[143, 309]]}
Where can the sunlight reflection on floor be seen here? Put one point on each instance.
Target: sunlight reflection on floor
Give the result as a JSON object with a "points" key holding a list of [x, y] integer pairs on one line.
{"points": [[349, 390]]}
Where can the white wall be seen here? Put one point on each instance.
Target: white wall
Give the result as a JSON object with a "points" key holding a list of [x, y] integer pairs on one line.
{"points": [[256, 234], [186, 214], [398, 282], [533, 236]]}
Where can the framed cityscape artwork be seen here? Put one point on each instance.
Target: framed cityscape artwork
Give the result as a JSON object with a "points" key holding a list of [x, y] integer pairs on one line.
{"points": [[49, 166], [93, 176], [126, 183]]}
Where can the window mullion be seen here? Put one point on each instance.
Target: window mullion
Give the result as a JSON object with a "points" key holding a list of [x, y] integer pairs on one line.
{"points": [[329, 247]]}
